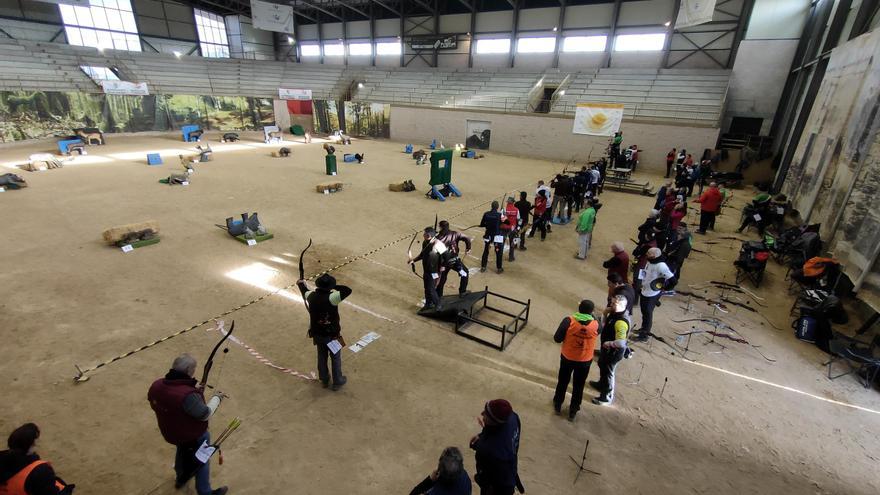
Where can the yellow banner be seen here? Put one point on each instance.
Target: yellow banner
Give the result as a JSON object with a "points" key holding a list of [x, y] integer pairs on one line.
{"points": [[598, 119]]}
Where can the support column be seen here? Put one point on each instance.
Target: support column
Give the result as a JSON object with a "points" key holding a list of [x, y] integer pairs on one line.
{"points": [[612, 32], [670, 32], [473, 40], [744, 16], [559, 26], [515, 32]]}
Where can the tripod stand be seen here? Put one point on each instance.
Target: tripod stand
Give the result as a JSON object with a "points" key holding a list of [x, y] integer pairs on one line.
{"points": [[580, 466]]}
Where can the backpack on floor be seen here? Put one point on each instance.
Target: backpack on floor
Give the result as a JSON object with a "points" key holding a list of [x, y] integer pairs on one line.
{"points": [[805, 329]]}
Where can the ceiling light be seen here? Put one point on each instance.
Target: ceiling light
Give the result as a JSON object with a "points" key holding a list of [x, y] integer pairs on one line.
{"points": [[176, 53], [555, 29], [290, 40], [666, 23], [360, 85], [562, 93]]}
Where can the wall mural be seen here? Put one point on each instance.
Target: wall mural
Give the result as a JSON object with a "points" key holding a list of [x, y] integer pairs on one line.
{"points": [[360, 118], [39, 114]]}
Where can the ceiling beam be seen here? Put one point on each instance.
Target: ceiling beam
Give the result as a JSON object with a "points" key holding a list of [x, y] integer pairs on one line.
{"points": [[426, 6], [386, 7], [466, 4], [353, 8], [322, 9]]}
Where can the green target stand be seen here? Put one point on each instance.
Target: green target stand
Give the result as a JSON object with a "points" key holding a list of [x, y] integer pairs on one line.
{"points": [[330, 164], [441, 174]]}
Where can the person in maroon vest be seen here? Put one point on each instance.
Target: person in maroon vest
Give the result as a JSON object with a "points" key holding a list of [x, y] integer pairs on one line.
{"points": [[183, 416], [619, 261]]}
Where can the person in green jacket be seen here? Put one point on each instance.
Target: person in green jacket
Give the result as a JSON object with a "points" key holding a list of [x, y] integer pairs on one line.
{"points": [[584, 228]]}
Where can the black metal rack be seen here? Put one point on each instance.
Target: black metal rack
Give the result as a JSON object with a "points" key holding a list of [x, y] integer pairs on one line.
{"points": [[508, 331]]}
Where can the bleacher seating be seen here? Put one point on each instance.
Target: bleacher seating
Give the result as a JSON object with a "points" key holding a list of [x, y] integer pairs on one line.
{"points": [[680, 95]]}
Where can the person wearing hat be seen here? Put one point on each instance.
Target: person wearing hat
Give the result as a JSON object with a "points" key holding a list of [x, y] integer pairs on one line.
{"points": [[577, 334], [617, 286], [496, 448], [586, 220], [613, 349], [654, 277], [22, 472], [434, 255], [510, 227], [492, 236], [450, 477], [324, 328], [182, 415]]}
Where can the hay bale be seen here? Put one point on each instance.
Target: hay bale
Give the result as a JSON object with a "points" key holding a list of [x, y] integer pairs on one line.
{"points": [[275, 154], [397, 186], [114, 234], [328, 186]]}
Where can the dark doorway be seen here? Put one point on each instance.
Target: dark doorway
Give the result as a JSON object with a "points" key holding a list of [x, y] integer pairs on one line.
{"points": [[749, 126], [543, 106]]}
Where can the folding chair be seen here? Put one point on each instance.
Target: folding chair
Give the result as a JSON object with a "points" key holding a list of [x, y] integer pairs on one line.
{"points": [[859, 356]]}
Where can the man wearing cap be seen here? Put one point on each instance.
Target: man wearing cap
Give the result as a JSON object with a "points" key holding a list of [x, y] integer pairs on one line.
{"points": [[433, 255], [653, 277], [451, 239], [324, 328], [577, 334], [496, 448], [613, 350]]}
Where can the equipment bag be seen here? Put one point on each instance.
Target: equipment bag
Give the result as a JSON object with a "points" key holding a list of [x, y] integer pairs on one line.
{"points": [[805, 329]]}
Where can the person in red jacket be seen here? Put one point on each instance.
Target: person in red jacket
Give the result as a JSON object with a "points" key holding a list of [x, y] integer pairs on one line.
{"points": [[183, 416], [710, 203], [510, 227], [21, 470], [539, 219], [670, 159]]}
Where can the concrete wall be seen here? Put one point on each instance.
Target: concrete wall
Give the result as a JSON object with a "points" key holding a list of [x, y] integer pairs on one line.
{"points": [[764, 60], [547, 137]]}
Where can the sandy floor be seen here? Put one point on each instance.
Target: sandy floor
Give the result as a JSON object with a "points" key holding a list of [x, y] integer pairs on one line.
{"points": [[69, 299]]}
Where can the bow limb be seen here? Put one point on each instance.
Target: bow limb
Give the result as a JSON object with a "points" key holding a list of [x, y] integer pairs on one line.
{"points": [[412, 265], [302, 272], [210, 362]]}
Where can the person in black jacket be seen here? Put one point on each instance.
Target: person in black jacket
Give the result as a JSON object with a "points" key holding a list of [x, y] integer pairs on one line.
{"points": [[454, 261], [496, 449], [450, 477], [22, 471], [524, 207], [324, 328], [491, 221], [434, 257]]}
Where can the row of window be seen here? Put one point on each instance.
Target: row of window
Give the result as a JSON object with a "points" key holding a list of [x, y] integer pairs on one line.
{"points": [[570, 44], [110, 24]]}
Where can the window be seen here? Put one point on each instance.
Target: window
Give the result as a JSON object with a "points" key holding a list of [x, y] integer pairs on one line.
{"points": [[493, 46], [333, 50], [535, 45], [639, 42], [310, 50], [360, 49], [584, 43], [212, 34], [388, 48], [102, 24], [99, 74]]}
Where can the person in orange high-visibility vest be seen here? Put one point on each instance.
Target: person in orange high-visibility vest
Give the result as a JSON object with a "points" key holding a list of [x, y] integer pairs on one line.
{"points": [[578, 334], [22, 472]]}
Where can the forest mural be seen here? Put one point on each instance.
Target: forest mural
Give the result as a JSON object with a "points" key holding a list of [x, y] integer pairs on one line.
{"points": [[40, 114], [360, 118]]}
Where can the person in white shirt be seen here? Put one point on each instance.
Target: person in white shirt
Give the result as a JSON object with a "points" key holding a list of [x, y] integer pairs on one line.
{"points": [[654, 278]]}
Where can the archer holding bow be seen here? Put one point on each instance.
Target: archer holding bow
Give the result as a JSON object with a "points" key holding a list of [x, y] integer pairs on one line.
{"points": [[183, 414]]}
